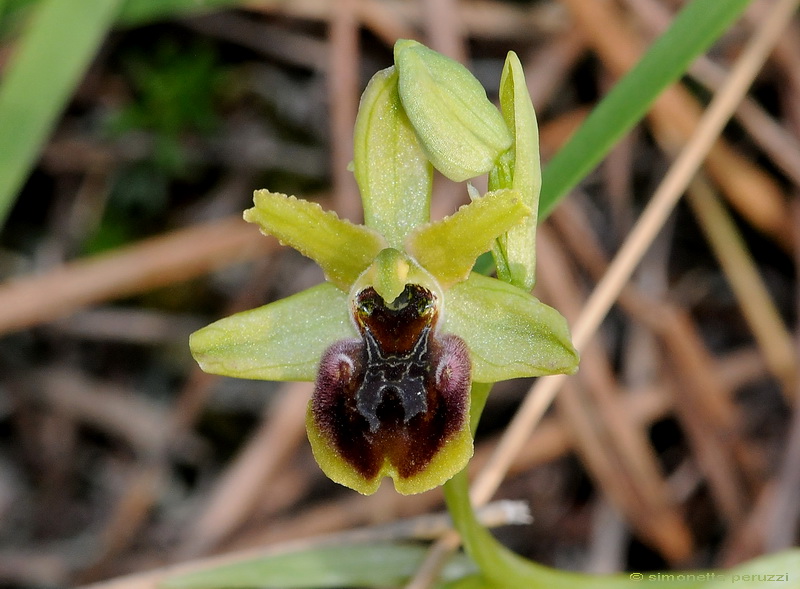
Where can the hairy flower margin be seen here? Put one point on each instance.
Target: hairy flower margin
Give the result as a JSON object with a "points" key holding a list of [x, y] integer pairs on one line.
{"points": [[402, 327]]}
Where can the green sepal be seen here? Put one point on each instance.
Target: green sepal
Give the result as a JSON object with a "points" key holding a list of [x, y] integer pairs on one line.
{"points": [[451, 458], [520, 169], [342, 249], [448, 248], [461, 132], [280, 341], [510, 333], [393, 174]]}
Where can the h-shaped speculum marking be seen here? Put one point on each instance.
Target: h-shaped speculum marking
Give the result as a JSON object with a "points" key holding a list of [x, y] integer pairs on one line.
{"points": [[403, 375]]}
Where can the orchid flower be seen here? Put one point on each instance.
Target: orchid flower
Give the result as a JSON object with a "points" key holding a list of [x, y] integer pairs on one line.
{"points": [[402, 327]]}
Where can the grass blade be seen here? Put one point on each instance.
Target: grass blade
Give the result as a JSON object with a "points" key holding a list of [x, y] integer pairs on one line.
{"points": [[692, 32], [52, 55]]}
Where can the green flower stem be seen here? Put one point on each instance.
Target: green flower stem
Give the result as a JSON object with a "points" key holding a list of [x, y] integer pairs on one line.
{"points": [[697, 26], [479, 394], [503, 569], [499, 566], [496, 563]]}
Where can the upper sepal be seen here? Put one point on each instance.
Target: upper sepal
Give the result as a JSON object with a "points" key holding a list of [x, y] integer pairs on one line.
{"points": [[394, 176], [510, 333]]}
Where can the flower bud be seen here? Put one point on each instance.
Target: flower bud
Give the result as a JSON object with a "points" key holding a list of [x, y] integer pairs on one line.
{"points": [[461, 132]]}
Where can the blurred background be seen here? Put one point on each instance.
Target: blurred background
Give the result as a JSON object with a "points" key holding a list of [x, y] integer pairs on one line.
{"points": [[677, 445]]}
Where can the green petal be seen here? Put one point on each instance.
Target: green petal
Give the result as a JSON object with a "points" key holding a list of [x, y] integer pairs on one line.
{"points": [[519, 168], [343, 250], [448, 248], [280, 341], [461, 132], [510, 333], [393, 174]]}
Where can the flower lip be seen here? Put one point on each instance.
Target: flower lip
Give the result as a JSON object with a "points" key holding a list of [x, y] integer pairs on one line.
{"points": [[393, 401]]}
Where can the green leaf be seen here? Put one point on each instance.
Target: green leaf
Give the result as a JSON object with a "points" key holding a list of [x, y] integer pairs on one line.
{"points": [[379, 564], [280, 341], [49, 61], [515, 251], [691, 33], [343, 250], [393, 174], [510, 333], [461, 132], [448, 248]]}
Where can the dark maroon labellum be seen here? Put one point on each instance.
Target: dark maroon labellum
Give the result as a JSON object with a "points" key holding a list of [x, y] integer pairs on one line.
{"points": [[398, 393]]}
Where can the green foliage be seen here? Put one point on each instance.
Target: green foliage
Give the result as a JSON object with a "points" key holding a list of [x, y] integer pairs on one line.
{"points": [[51, 57], [175, 88], [361, 565], [136, 12], [12, 13], [502, 569]]}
